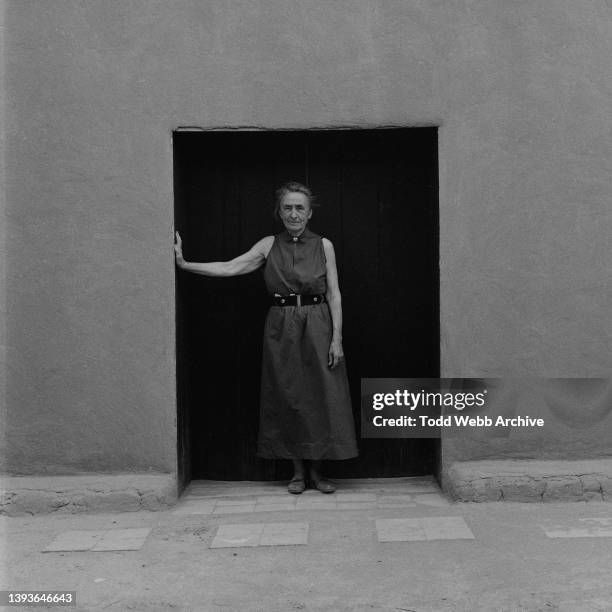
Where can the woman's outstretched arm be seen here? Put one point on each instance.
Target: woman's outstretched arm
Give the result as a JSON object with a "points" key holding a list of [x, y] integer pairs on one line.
{"points": [[243, 264], [333, 297]]}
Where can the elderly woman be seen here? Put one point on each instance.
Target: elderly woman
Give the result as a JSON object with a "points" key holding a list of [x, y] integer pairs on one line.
{"points": [[305, 407]]}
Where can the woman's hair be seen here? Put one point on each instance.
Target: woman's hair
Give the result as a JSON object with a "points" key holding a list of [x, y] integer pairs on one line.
{"points": [[292, 187]]}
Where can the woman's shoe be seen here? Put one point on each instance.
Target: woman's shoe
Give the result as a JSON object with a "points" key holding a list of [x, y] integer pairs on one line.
{"points": [[325, 486], [296, 485]]}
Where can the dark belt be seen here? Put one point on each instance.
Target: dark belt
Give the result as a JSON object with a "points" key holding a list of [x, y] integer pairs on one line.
{"points": [[298, 300]]}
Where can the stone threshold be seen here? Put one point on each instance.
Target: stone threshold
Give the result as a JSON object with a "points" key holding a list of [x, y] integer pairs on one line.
{"points": [[223, 488]]}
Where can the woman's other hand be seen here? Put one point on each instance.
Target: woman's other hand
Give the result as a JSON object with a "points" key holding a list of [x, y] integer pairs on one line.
{"points": [[178, 250], [335, 354]]}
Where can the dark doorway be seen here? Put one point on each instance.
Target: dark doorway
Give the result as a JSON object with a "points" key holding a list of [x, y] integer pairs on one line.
{"points": [[378, 196]]}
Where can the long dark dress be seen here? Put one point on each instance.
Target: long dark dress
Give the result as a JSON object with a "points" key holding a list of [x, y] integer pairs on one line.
{"points": [[305, 408]]}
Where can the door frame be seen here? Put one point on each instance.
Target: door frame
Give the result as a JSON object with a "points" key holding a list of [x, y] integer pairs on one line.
{"points": [[184, 464]]}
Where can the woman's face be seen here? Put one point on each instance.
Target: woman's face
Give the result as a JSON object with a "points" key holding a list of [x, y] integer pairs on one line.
{"points": [[295, 211]]}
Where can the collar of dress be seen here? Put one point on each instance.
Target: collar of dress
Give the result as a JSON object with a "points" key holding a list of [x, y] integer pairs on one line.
{"points": [[303, 237]]}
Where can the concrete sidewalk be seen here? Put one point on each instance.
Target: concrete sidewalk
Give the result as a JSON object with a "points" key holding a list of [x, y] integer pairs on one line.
{"points": [[370, 546]]}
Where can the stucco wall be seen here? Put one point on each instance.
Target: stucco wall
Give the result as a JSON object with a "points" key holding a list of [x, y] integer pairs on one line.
{"points": [[522, 92], [576, 420]]}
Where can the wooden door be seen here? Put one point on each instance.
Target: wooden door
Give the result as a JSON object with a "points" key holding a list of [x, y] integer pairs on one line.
{"points": [[377, 191]]}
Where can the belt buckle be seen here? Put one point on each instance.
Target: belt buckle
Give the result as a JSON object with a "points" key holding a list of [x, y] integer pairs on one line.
{"points": [[298, 298]]}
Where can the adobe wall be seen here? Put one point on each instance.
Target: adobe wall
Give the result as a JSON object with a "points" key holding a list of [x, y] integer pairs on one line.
{"points": [[94, 90]]}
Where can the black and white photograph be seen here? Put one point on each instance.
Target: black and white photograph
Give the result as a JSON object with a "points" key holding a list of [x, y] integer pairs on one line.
{"points": [[306, 305]]}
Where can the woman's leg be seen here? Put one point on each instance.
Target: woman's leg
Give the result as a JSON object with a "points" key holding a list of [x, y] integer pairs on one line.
{"points": [[297, 484], [315, 470], [317, 480], [298, 469]]}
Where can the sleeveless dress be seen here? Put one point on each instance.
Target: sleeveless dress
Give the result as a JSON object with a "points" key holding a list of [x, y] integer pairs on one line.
{"points": [[305, 407]]}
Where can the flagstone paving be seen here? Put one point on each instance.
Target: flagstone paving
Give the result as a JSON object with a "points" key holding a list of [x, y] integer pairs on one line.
{"points": [[99, 540], [598, 527], [429, 528], [219, 500], [75, 540], [373, 547], [261, 534]]}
